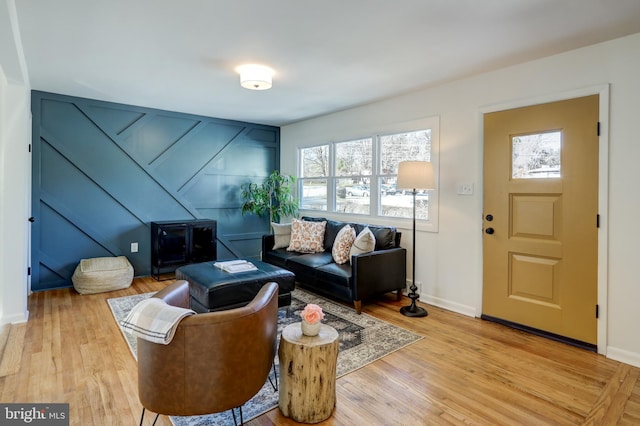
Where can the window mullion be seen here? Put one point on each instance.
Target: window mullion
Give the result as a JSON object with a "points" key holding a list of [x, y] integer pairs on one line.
{"points": [[331, 179], [376, 197]]}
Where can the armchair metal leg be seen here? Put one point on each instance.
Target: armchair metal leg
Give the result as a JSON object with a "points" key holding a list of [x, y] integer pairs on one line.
{"points": [[235, 421], [142, 417], [275, 376]]}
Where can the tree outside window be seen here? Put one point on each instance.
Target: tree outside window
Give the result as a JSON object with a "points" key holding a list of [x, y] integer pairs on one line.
{"points": [[354, 161], [395, 148], [314, 167]]}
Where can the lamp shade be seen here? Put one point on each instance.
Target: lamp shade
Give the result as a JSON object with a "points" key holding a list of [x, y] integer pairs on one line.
{"points": [[255, 77], [415, 175]]}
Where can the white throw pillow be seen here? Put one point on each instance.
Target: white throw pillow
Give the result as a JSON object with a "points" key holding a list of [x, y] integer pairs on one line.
{"points": [[281, 235], [342, 244], [306, 236], [365, 242]]}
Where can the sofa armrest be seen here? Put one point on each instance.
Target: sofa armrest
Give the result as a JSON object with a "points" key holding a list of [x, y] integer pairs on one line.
{"points": [[267, 243], [378, 272]]}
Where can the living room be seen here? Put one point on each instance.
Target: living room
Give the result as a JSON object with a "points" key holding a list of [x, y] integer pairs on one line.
{"points": [[451, 259]]}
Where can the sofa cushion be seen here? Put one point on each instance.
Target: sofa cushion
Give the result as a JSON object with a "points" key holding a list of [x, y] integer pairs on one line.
{"points": [[342, 244], [306, 236], [278, 257], [331, 230], [281, 234], [335, 274], [385, 235], [311, 260], [365, 242]]}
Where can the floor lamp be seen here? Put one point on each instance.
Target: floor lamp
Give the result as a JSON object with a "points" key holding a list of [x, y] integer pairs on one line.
{"points": [[414, 175]]}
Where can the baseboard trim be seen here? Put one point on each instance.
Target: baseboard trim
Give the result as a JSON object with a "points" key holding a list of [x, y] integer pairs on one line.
{"points": [[542, 333], [628, 357], [15, 319], [449, 305]]}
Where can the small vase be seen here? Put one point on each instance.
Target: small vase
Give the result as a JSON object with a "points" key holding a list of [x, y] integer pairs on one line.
{"points": [[309, 329]]}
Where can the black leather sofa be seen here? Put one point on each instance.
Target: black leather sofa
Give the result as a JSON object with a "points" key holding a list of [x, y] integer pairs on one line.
{"points": [[369, 274]]}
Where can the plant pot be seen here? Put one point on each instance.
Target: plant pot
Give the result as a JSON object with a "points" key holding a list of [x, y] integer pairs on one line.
{"points": [[309, 329]]}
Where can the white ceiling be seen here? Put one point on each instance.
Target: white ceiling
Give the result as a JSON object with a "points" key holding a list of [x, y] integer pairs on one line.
{"points": [[181, 55]]}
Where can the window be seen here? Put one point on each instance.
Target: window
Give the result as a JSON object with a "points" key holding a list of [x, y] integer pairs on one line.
{"points": [[353, 176], [536, 155], [314, 166], [358, 176], [415, 146]]}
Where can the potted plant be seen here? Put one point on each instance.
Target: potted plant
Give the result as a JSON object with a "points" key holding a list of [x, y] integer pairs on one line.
{"points": [[274, 197]]}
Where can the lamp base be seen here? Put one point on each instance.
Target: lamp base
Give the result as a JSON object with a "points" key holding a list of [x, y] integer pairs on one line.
{"points": [[413, 311]]}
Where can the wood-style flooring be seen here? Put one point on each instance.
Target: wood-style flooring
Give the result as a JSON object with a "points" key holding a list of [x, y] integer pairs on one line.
{"points": [[465, 371]]}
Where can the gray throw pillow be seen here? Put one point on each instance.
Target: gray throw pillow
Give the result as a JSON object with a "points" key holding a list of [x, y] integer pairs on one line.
{"points": [[281, 234]]}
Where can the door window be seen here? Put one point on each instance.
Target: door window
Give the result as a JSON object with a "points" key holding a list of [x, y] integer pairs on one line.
{"points": [[536, 155]]}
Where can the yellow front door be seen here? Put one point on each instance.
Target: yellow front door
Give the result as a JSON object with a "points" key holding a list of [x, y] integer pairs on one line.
{"points": [[540, 217]]}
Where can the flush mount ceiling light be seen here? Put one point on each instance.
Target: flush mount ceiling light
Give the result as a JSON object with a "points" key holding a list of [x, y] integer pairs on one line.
{"points": [[255, 77]]}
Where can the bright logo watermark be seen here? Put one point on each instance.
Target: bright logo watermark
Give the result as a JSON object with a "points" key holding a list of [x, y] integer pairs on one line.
{"points": [[34, 414]]}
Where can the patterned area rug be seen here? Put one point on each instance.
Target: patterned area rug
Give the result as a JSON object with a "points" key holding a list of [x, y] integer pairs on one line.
{"points": [[363, 339]]}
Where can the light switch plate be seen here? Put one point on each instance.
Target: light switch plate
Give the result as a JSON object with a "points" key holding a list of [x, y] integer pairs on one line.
{"points": [[465, 188]]}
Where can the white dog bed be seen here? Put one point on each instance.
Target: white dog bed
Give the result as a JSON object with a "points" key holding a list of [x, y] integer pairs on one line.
{"points": [[101, 274]]}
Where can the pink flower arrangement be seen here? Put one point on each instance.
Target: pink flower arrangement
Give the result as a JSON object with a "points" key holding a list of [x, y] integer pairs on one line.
{"points": [[312, 313]]}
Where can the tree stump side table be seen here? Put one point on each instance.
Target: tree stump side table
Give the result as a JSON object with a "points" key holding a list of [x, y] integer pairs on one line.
{"points": [[308, 373]]}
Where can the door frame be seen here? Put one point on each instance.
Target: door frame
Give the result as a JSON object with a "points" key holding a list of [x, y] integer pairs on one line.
{"points": [[603, 190]]}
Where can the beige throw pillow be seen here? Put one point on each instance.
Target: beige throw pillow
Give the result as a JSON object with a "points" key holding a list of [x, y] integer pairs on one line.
{"points": [[307, 237], [281, 235], [365, 242], [342, 244]]}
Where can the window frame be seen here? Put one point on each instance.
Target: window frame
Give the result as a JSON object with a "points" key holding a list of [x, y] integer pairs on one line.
{"points": [[374, 215]]}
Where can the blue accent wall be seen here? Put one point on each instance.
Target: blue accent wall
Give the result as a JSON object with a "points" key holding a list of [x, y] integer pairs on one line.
{"points": [[103, 171]]}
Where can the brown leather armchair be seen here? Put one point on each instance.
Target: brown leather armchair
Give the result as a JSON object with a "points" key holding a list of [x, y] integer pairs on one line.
{"points": [[216, 361]]}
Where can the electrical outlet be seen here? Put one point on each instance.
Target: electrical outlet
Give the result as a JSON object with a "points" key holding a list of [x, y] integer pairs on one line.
{"points": [[465, 189], [134, 247]]}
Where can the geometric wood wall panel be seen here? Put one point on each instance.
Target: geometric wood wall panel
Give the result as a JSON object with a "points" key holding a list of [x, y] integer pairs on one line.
{"points": [[103, 171], [535, 216], [534, 279]]}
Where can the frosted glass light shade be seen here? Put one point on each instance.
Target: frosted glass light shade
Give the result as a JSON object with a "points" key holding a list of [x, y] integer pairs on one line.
{"points": [[415, 175], [255, 77]]}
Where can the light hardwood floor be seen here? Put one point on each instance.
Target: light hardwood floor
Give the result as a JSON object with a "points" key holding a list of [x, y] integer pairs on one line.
{"points": [[464, 371]]}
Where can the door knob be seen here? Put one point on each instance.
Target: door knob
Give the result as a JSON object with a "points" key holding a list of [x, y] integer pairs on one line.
{"points": [[489, 231], [489, 217]]}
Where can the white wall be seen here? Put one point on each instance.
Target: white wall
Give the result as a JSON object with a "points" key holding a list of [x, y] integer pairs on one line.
{"points": [[450, 261], [15, 188], [15, 171]]}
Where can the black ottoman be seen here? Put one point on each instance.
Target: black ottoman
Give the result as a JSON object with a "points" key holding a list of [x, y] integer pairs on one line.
{"points": [[213, 289]]}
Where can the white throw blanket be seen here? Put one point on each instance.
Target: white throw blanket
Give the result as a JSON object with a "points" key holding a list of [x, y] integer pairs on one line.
{"points": [[154, 320]]}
